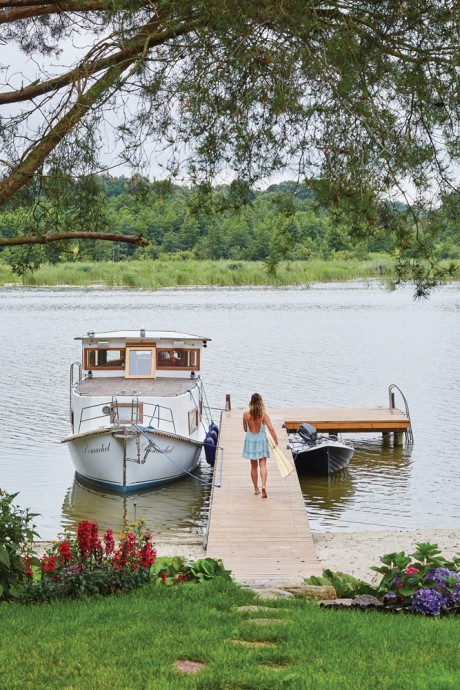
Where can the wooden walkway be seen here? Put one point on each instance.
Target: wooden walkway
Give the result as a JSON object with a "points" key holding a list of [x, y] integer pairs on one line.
{"points": [[259, 539]]}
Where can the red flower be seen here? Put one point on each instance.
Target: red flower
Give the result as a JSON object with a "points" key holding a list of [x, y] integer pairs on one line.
{"points": [[26, 563], [180, 577], [130, 543], [49, 563], [399, 585], [109, 542], [65, 551], [147, 555], [88, 538]]}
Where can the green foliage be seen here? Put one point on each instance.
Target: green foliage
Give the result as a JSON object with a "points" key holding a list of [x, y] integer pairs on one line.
{"points": [[346, 586], [283, 223], [176, 570], [404, 577], [17, 532]]}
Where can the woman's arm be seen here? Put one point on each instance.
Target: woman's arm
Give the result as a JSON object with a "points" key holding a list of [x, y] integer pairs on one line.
{"points": [[269, 426], [245, 422]]}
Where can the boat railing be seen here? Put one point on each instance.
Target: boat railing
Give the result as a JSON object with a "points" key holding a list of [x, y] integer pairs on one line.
{"points": [[88, 414], [160, 416], [392, 397], [73, 379], [132, 412]]}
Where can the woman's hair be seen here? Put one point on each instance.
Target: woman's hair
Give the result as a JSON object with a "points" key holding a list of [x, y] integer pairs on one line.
{"points": [[256, 406]]}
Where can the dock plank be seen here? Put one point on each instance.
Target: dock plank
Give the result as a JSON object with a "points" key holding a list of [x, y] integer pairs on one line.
{"points": [[258, 539]]}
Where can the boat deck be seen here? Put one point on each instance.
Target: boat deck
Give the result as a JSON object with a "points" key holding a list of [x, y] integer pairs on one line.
{"points": [[117, 385], [259, 539]]}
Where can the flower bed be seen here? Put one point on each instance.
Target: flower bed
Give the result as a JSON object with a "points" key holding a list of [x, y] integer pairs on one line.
{"points": [[87, 565], [423, 582]]}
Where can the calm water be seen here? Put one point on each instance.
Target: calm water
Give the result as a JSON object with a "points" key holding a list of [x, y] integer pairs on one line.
{"points": [[329, 345]]}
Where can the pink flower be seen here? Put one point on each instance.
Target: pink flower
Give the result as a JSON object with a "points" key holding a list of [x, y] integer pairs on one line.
{"points": [[410, 570]]}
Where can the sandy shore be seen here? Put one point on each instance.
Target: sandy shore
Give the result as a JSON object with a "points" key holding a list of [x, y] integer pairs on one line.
{"points": [[349, 552], [355, 552]]}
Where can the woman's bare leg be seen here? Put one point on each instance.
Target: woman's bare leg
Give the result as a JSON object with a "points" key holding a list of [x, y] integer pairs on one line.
{"points": [[254, 476], [263, 473]]}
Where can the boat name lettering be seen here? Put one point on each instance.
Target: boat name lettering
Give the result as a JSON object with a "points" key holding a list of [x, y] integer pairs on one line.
{"points": [[100, 449], [168, 449]]}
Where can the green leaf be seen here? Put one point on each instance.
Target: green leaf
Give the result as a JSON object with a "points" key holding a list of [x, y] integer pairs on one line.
{"points": [[4, 556]]}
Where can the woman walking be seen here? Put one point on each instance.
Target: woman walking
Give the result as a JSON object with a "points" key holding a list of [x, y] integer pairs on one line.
{"points": [[255, 422]]}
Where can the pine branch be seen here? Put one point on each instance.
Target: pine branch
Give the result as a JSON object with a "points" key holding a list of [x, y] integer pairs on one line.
{"points": [[65, 236]]}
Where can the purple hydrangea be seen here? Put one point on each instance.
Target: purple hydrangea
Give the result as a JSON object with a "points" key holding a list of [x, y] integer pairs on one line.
{"points": [[453, 595], [441, 576], [428, 601], [388, 596]]}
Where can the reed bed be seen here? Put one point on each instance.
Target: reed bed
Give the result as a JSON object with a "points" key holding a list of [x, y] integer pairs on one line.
{"points": [[162, 273]]}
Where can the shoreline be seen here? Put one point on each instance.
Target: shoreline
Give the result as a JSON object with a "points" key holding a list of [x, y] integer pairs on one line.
{"points": [[352, 553]]}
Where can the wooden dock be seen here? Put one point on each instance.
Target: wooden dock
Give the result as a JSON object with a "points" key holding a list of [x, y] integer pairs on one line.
{"points": [[258, 539], [270, 539], [348, 419]]}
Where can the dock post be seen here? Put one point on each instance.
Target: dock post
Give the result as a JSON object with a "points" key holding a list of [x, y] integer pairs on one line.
{"points": [[398, 439], [228, 402]]}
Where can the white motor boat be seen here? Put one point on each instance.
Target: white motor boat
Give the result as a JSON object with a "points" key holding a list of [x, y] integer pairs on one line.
{"points": [[136, 408], [315, 454]]}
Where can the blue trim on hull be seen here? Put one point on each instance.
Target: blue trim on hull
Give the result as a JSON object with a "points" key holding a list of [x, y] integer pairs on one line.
{"points": [[128, 489]]}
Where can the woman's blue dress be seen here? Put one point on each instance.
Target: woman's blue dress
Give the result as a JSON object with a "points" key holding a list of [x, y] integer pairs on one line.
{"points": [[256, 445]]}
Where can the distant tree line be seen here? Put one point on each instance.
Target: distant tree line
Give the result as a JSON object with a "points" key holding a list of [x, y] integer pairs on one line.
{"points": [[285, 221]]}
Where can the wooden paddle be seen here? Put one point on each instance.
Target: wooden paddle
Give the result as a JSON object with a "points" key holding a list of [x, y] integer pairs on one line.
{"points": [[283, 463]]}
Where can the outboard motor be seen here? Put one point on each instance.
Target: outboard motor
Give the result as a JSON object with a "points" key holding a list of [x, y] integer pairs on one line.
{"points": [[308, 433]]}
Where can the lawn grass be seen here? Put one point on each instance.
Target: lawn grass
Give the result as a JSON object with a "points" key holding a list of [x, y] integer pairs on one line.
{"points": [[132, 641]]}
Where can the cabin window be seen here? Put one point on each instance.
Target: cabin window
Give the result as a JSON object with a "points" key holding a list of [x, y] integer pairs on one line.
{"points": [[103, 358], [178, 359], [193, 420], [140, 363]]}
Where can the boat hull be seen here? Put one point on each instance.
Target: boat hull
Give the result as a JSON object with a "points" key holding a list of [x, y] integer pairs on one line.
{"points": [[131, 459], [323, 459]]}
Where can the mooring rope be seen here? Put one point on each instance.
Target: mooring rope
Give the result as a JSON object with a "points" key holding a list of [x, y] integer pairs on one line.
{"points": [[190, 474]]}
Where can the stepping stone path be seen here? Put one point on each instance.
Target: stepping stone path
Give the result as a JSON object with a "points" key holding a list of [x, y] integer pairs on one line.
{"points": [[187, 666]]}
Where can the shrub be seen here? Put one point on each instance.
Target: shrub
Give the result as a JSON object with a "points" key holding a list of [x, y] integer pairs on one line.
{"points": [[86, 565], [16, 557], [425, 581], [179, 570], [346, 586]]}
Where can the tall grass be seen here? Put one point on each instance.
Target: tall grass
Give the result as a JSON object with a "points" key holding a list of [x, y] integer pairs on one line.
{"points": [[152, 275], [132, 641]]}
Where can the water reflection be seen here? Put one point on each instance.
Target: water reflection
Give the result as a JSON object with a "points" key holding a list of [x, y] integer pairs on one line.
{"points": [[372, 489], [178, 512], [328, 493]]}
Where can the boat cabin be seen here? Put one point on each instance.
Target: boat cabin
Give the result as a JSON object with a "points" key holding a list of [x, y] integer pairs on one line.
{"points": [[141, 354]]}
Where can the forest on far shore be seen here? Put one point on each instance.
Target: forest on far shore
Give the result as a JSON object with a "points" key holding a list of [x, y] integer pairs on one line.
{"points": [[285, 221]]}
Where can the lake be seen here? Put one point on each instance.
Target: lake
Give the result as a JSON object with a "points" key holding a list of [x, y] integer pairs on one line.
{"points": [[329, 345]]}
